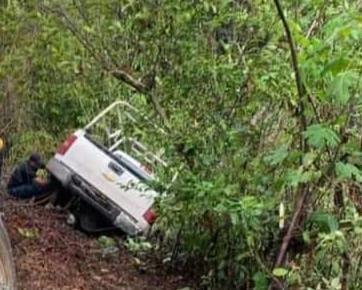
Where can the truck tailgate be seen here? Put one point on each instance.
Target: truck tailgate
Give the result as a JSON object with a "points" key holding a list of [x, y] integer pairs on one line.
{"points": [[105, 173]]}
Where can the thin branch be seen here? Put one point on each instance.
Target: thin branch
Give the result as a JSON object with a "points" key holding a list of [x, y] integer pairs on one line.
{"points": [[298, 79], [313, 26], [129, 79], [303, 192], [317, 21]]}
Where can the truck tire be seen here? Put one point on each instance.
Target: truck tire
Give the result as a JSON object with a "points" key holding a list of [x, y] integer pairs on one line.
{"points": [[91, 221], [7, 269]]}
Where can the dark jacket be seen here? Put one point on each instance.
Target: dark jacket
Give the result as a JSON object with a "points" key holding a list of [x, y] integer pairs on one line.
{"points": [[22, 175]]}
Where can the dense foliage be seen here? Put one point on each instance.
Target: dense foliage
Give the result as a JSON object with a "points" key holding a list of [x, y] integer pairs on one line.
{"points": [[262, 161]]}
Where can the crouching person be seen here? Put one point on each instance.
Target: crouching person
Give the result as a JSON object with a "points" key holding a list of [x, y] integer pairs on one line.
{"points": [[24, 182]]}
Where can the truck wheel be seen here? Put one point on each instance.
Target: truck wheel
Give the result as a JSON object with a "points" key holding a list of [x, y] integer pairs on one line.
{"points": [[63, 198], [91, 221], [7, 269]]}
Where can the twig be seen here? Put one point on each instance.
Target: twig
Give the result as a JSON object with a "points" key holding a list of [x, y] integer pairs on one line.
{"points": [[313, 25], [127, 78], [316, 21]]}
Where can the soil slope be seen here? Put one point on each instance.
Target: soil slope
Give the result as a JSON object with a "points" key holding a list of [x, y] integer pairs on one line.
{"points": [[51, 255]]}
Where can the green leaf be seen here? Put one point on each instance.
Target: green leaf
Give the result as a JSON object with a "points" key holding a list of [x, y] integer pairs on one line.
{"points": [[340, 86], [106, 242], [348, 171], [280, 272], [308, 159], [295, 177], [320, 136], [234, 218], [277, 156], [336, 284], [336, 66], [88, 29], [326, 222], [260, 281], [306, 237]]}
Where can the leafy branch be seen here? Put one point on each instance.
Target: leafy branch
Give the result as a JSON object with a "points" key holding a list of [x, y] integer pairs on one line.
{"points": [[107, 63]]}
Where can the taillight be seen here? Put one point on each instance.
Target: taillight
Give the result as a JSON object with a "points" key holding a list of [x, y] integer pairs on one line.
{"points": [[149, 216], [63, 148]]}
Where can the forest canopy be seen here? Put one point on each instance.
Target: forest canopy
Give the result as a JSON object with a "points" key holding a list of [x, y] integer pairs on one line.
{"points": [[261, 103]]}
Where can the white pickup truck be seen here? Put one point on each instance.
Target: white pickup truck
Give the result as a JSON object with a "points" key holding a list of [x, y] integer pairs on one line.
{"points": [[107, 168]]}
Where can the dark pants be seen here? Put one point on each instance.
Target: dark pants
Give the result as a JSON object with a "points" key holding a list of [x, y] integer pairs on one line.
{"points": [[28, 190]]}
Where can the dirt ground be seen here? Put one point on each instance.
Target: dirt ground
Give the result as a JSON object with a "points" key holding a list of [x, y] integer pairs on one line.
{"points": [[51, 255]]}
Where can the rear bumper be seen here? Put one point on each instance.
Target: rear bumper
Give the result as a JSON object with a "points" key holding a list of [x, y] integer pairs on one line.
{"points": [[60, 171], [77, 185]]}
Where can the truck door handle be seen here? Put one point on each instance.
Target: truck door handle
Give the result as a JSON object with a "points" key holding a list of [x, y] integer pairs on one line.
{"points": [[115, 168]]}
